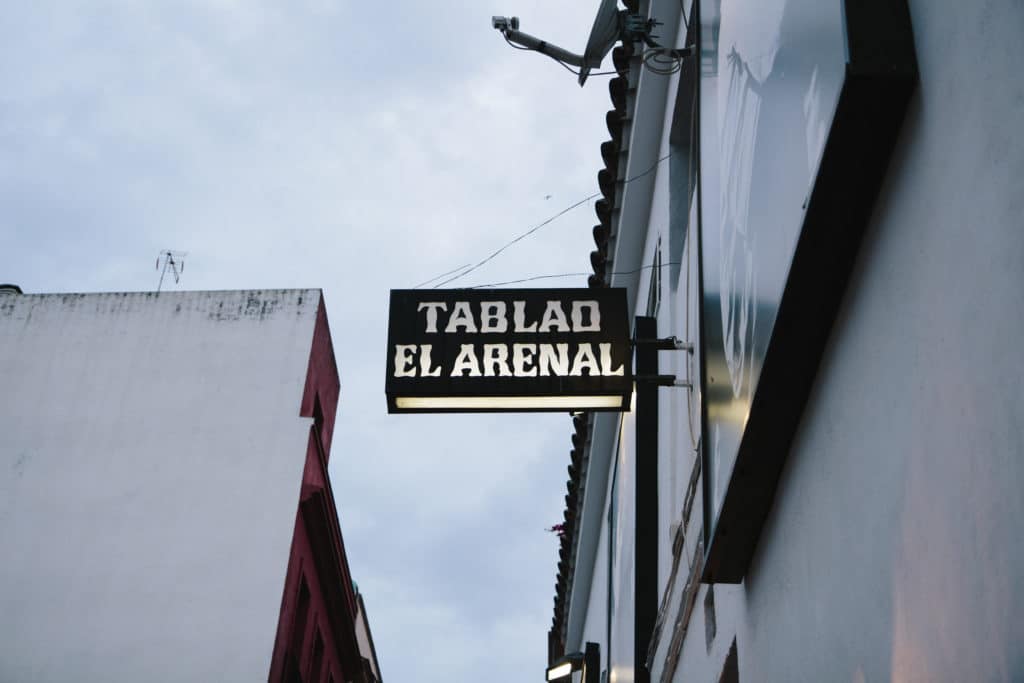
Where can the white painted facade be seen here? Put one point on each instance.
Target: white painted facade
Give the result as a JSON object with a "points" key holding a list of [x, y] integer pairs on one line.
{"points": [[364, 638], [891, 551], [151, 456]]}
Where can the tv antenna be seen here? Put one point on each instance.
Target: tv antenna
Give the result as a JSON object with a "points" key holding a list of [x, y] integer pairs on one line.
{"points": [[173, 261], [610, 25]]}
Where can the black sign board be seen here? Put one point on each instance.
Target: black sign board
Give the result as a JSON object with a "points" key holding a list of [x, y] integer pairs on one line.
{"points": [[508, 350]]}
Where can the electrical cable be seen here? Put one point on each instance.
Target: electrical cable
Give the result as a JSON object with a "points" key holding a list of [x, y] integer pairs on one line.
{"points": [[662, 61], [592, 73], [528, 279], [518, 47], [438, 277], [549, 277], [534, 229], [517, 239]]}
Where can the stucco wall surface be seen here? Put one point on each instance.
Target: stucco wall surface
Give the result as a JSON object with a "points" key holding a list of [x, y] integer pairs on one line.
{"points": [[151, 454], [893, 551]]}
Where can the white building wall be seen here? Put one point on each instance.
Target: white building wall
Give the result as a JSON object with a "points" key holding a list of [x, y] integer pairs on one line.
{"points": [[893, 549], [645, 219], [151, 454], [624, 538], [596, 628], [891, 552]]}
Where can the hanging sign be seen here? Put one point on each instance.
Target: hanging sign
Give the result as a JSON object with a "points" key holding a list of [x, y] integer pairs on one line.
{"points": [[508, 350]]}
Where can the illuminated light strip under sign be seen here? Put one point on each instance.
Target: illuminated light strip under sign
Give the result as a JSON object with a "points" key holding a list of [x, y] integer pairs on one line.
{"points": [[508, 402], [508, 350], [560, 671]]}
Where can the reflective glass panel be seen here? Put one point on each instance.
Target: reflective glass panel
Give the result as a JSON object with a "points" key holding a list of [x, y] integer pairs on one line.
{"points": [[771, 72]]}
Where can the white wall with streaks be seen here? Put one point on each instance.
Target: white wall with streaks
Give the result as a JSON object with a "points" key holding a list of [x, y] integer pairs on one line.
{"points": [[151, 454]]}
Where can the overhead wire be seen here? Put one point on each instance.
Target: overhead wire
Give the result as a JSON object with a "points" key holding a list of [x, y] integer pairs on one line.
{"points": [[550, 277], [517, 239], [592, 73], [662, 61], [532, 231], [438, 277]]}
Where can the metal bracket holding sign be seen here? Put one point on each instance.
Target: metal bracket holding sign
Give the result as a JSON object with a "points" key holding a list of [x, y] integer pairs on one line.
{"points": [[645, 560]]}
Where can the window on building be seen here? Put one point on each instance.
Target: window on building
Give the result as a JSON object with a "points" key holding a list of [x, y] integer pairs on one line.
{"points": [[654, 293]]}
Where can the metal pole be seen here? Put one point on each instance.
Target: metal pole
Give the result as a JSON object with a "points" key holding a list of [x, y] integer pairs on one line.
{"points": [[645, 565], [592, 663]]}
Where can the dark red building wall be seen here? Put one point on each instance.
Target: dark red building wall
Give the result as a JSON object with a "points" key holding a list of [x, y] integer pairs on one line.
{"points": [[315, 640]]}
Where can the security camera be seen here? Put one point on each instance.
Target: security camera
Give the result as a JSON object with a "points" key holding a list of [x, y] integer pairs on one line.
{"points": [[505, 23], [611, 24]]}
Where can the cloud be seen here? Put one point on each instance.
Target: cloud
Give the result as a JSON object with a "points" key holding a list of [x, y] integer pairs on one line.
{"points": [[357, 149]]}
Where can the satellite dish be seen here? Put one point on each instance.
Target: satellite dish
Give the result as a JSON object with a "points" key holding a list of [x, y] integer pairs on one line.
{"points": [[605, 32], [608, 27]]}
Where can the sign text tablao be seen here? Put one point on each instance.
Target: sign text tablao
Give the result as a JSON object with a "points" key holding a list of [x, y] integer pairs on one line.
{"points": [[508, 350]]}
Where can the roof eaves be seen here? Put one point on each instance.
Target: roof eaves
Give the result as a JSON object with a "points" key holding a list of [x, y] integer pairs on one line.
{"points": [[609, 180]]}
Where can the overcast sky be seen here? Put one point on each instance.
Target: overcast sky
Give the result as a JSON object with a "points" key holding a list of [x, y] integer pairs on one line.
{"points": [[357, 148]]}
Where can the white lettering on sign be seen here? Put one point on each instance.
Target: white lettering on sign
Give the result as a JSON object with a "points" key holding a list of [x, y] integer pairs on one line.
{"points": [[606, 361], [593, 312], [522, 360], [404, 360], [585, 358], [510, 360], [554, 317], [584, 316], [496, 356], [462, 316], [549, 360], [514, 358], [432, 308], [466, 361], [492, 316], [519, 318], [425, 364]]}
